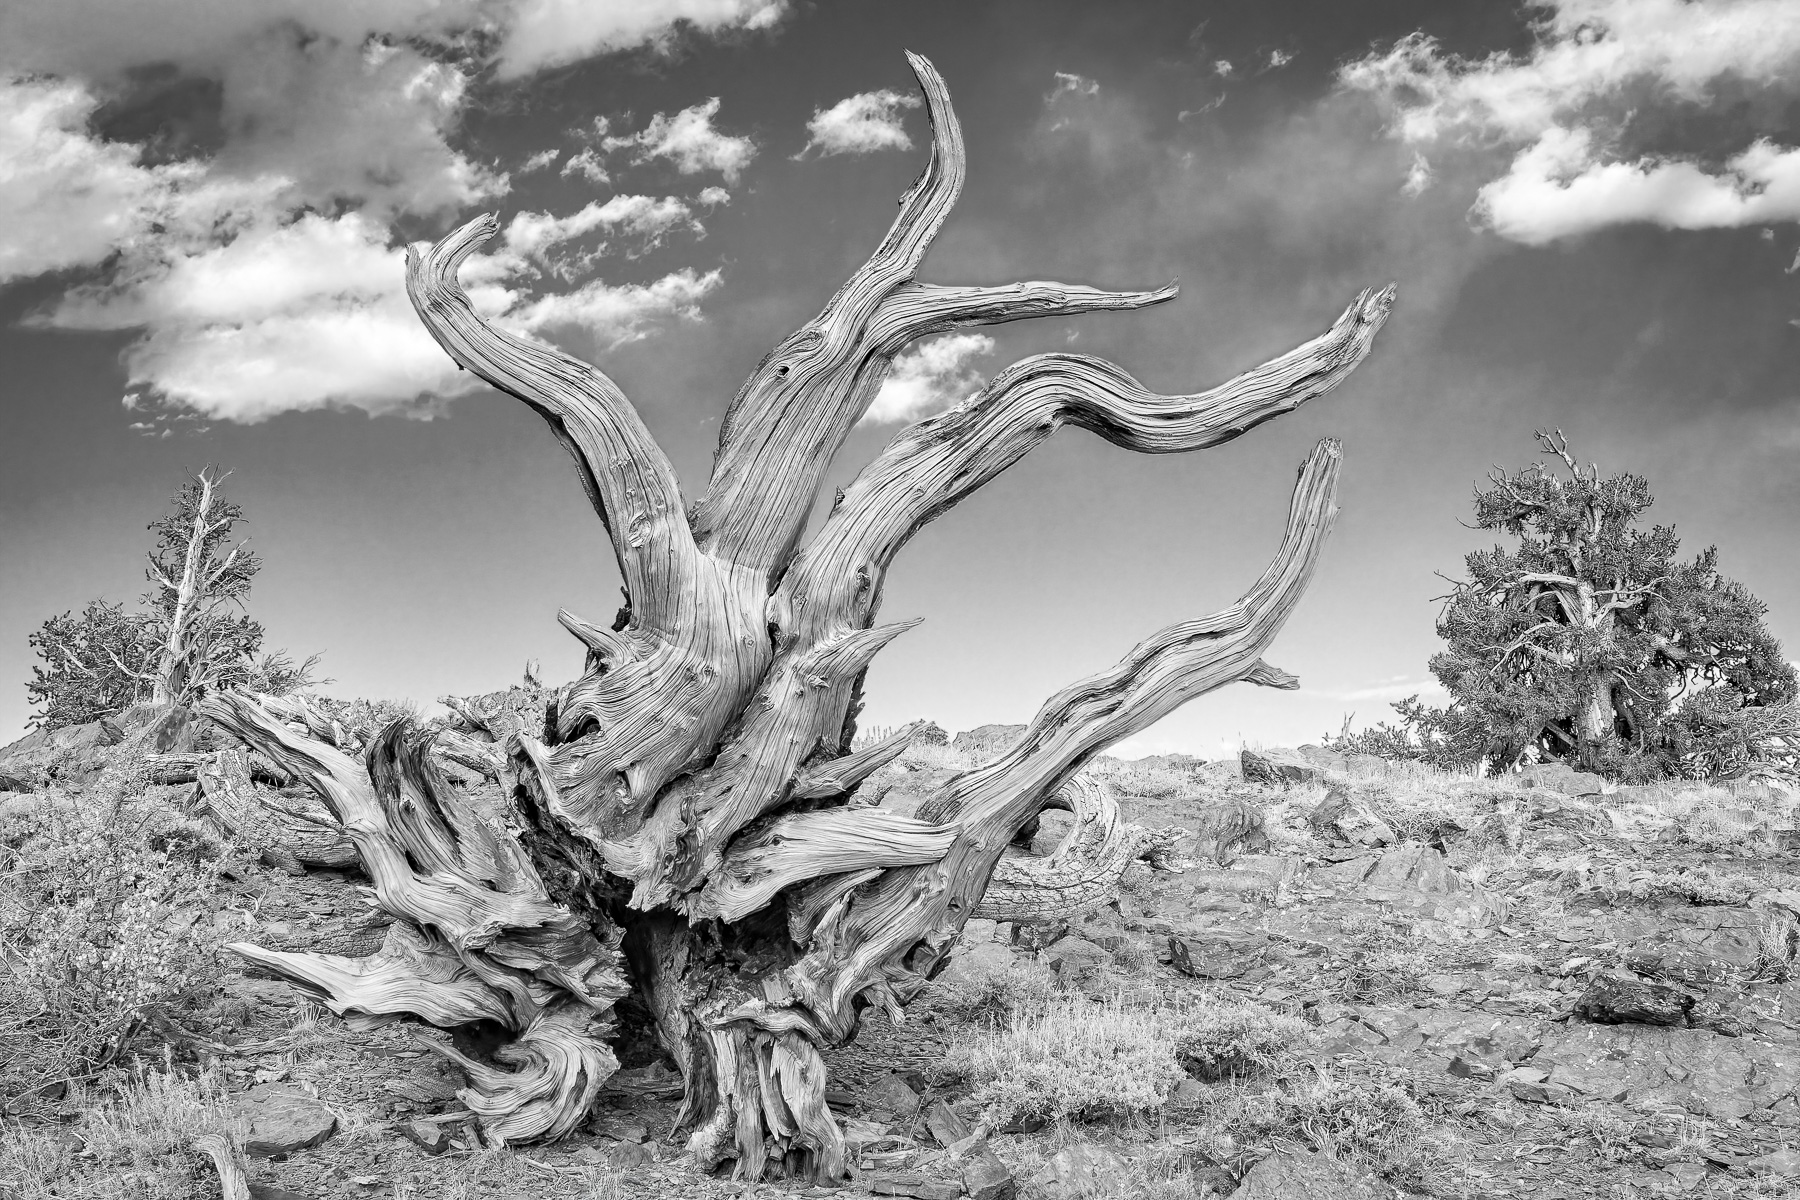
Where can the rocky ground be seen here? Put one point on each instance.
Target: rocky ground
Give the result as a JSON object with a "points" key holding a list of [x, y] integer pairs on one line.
{"points": [[1567, 990]]}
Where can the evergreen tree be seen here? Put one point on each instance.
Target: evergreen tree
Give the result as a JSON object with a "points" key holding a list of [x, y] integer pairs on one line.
{"points": [[1590, 642]]}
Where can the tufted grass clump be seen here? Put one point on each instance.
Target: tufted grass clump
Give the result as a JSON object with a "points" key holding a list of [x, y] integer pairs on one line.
{"points": [[1075, 1060], [138, 1145]]}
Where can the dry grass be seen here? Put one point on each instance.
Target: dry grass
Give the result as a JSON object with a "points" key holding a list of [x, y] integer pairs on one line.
{"points": [[1074, 1059], [138, 1145]]}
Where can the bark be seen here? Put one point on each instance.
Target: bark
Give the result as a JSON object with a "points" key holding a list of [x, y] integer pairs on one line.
{"points": [[192, 592], [683, 822]]}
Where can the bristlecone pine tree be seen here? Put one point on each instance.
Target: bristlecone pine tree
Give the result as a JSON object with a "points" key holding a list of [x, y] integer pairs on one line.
{"points": [[1590, 642], [683, 825], [190, 636]]}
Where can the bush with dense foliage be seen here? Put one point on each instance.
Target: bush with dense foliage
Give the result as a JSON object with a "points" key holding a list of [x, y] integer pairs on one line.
{"points": [[1590, 642]]}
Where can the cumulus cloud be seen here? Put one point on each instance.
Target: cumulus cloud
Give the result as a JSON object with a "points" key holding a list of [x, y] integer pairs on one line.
{"points": [[689, 140], [251, 238], [713, 197], [1567, 110], [543, 160], [314, 314], [860, 124], [548, 33], [930, 377], [1559, 188], [66, 199]]}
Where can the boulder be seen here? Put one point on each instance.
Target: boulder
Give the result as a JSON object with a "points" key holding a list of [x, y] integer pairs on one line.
{"points": [[1279, 765], [984, 1176], [1414, 868], [892, 1094], [282, 1121], [1617, 997], [1075, 958], [428, 1136], [945, 1124], [1079, 1171], [1343, 816], [1319, 756], [1305, 1175], [986, 740]]}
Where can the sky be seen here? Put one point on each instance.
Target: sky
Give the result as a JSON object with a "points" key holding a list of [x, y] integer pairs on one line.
{"points": [[1589, 207]]}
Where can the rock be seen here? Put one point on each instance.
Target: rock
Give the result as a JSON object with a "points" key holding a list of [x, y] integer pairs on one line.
{"points": [[1319, 756], [1076, 958], [1035, 935], [970, 964], [1543, 774], [1414, 868], [890, 1093], [1189, 1093], [986, 740], [1697, 956], [429, 1136], [1579, 783], [282, 1122], [912, 1183], [1686, 1176], [1784, 1162], [945, 1124], [984, 1176], [1304, 1175], [1342, 815], [1662, 1067], [268, 1191], [1079, 1171], [1615, 997], [625, 1155], [1279, 765]]}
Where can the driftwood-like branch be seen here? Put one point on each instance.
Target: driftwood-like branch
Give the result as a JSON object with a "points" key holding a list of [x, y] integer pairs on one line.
{"points": [[550, 976], [884, 938]]}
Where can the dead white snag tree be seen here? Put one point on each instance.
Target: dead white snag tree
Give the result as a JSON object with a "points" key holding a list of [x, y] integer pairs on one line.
{"points": [[683, 825]]}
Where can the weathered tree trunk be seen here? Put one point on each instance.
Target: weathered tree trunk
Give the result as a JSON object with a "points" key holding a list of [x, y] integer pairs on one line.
{"points": [[683, 825], [190, 592]]}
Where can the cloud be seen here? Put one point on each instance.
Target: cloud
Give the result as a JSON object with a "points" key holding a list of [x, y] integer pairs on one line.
{"points": [[860, 124], [588, 165], [314, 314], [246, 226], [713, 196], [932, 376], [1397, 687], [541, 161], [689, 140], [1570, 112], [1067, 82], [533, 235], [548, 33], [67, 199], [615, 315], [1558, 188]]}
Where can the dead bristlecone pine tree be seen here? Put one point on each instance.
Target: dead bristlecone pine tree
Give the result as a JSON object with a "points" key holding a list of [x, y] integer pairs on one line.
{"points": [[682, 826]]}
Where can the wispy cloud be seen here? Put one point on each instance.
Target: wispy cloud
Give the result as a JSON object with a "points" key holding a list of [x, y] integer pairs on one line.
{"points": [[860, 124], [1395, 687]]}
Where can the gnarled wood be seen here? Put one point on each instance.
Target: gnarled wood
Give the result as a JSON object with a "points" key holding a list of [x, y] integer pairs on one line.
{"points": [[687, 806]]}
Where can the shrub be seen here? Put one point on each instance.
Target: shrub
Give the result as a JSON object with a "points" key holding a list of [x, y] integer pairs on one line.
{"points": [[96, 934], [1366, 1118], [997, 999], [1227, 1039]]}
